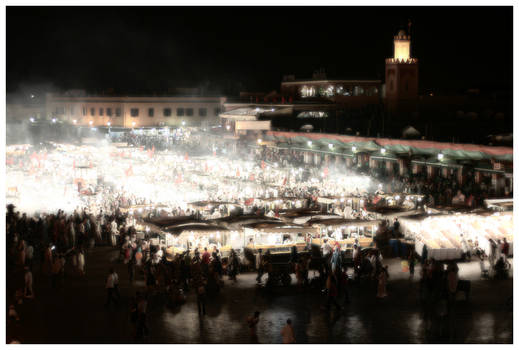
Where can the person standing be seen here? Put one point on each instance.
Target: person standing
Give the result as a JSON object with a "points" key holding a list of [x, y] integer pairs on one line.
{"points": [[81, 262], [131, 270], [493, 253], [411, 260], [109, 286], [288, 333], [200, 299], [382, 281], [504, 251], [452, 281], [29, 254], [28, 293]]}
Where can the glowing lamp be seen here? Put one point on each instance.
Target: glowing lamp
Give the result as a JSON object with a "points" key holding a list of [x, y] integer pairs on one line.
{"points": [[183, 123], [259, 141], [330, 146], [440, 156], [133, 123], [74, 121], [32, 120], [228, 127], [354, 149], [108, 123], [91, 122], [383, 151], [53, 120], [309, 143]]}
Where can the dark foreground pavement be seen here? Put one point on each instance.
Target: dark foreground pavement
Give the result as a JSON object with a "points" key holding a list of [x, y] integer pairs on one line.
{"points": [[76, 313]]}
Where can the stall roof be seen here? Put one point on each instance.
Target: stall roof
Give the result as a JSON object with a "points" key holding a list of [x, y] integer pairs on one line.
{"points": [[203, 204], [169, 221], [201, 227], [272, 224], [342, 222], [396, 146]]}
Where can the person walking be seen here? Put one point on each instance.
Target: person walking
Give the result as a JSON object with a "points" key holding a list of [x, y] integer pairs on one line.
{"points": [[288, 333], [142, 306], [332, 292], [252, 322], [116, 285]]}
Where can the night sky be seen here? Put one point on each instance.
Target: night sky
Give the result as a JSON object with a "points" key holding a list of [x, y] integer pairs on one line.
{"points": [[229, 49]]}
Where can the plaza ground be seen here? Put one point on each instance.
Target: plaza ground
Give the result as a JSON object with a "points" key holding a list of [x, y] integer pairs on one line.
{"points": [[76, 313]]}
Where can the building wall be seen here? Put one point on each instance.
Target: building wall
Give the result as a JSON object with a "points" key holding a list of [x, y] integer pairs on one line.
{"points": [[19, 113], [79, 109], [305, 89]]}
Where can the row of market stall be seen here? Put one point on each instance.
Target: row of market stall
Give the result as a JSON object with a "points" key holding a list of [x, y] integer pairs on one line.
{"points": [[445, 234]]}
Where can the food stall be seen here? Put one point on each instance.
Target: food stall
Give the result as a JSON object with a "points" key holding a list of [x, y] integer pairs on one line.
{"points": [[202, 235], [276, 237], [442, 234], [344, 231]]}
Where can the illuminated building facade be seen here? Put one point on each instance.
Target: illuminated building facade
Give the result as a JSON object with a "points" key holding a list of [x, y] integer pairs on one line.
{"points": [[131, 112]]}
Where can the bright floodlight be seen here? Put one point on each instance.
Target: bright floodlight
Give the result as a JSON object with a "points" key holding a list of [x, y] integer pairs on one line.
{"points": [[383, 151], [440, 156], [354, 149]]}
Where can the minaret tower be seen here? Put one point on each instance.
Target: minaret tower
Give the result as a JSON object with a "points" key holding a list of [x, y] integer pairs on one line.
{"points": [[401, 73]]}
